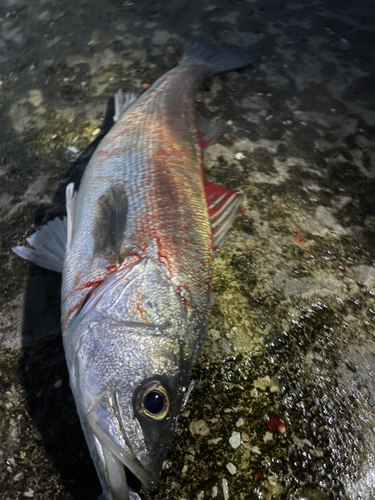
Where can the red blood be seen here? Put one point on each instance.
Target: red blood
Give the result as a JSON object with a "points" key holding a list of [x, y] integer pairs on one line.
{"points": [[90, 284], [298, 237], [112, 268], [229, 141], [276, 424]]}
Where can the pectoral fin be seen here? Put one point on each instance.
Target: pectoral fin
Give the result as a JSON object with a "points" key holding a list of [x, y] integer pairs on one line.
{"points": [[110, 222]]}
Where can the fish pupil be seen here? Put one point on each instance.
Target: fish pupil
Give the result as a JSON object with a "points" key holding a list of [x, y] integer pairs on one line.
{"points": [[154, 402]]}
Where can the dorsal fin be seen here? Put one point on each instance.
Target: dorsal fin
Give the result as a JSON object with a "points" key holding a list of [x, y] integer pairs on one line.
{"points": [[110, 222], [223, 207], [121, 104]]}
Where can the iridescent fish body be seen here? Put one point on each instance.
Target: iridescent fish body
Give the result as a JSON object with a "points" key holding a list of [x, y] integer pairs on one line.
{"points": [[136, 263]]}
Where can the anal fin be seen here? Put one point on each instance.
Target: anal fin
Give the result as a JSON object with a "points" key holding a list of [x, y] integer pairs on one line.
{"points": [[223, 207]]}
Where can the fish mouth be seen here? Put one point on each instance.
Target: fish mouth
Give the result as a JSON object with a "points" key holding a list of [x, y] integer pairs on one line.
{"points": [[116, 461]]}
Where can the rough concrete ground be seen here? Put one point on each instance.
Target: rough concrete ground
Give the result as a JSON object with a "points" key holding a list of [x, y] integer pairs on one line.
{"points": [[292, 323]]}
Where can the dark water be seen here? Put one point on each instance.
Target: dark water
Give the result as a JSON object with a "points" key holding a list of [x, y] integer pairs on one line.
{"points": [[292, 322]]}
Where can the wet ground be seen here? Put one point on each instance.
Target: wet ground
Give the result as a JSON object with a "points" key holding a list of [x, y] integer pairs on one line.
{"points": [[284, 405]]}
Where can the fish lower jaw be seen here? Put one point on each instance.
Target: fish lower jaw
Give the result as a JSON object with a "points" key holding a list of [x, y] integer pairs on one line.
{"points": [[114, 462]]}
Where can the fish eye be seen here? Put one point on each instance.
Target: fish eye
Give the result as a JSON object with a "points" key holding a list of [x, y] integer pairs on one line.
{"points": [[155, 401]]}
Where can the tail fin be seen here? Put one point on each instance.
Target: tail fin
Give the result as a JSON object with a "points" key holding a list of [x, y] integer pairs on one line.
{"points": [[218, 60]]}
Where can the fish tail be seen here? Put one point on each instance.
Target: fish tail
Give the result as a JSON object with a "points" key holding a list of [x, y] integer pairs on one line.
{"points": [[218, 59]]}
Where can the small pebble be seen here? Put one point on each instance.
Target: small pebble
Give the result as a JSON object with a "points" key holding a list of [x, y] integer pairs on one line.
{"points": [[96, 131], [255, 449], [58, 384], [200, 495], [72, 149], [215, 440], [214, 492], [235, 440], [199, 427], [18, 477], [29, 493], [239, 156], [240, 422], [230, 122], [232, 469], [267, 437]]}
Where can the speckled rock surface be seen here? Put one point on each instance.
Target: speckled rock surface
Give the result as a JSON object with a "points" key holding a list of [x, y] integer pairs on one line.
{"points": [[283, 406]]}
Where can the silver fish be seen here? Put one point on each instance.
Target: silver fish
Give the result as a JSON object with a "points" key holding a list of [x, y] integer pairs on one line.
{"points": [[135, 253]]}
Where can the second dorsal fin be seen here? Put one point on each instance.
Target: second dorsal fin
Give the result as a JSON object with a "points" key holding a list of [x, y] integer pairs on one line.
{"points": [[208, 132]]}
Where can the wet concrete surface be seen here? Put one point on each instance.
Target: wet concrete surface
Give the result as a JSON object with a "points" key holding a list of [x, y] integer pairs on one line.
{"points": [[291, 333]]}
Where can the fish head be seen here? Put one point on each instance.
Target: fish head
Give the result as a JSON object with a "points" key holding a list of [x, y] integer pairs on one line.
{"points": [[130, 359]]}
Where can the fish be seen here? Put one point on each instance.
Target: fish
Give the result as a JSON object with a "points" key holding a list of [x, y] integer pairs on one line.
{"points": [[135, 252]]}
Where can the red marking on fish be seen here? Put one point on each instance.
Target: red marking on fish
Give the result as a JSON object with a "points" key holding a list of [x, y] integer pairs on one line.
{"points": [[90, 284], [72, 311], [112, 268], [139, 309]]}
